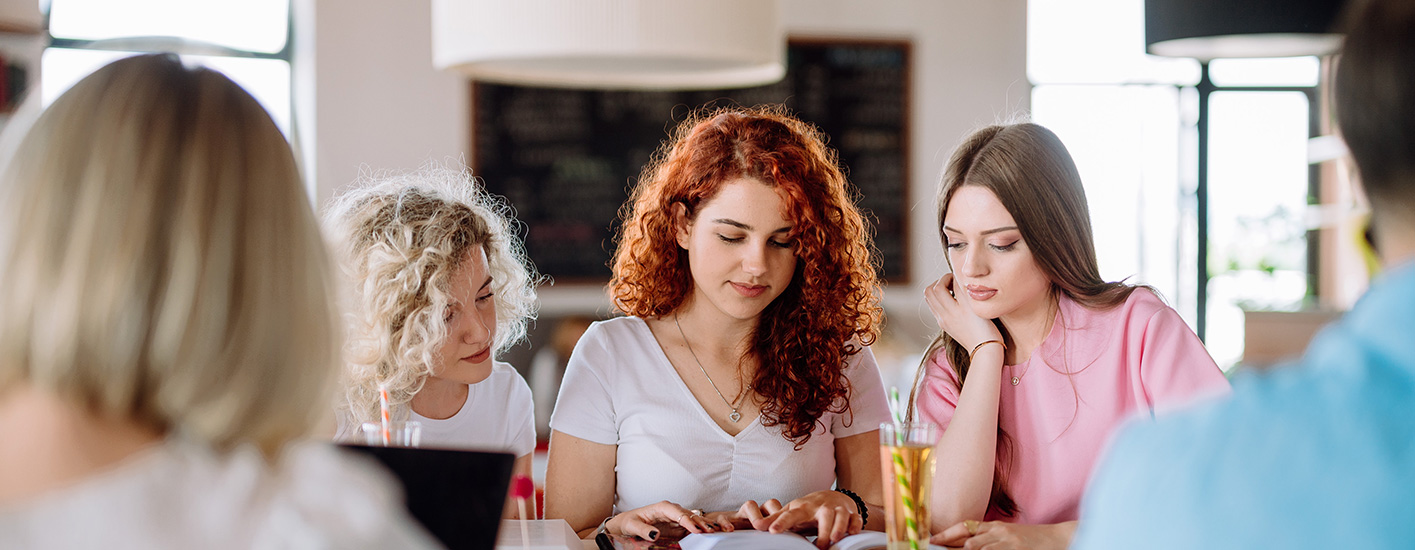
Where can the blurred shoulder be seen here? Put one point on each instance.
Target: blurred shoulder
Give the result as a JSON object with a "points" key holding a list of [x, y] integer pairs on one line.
{"points": [[314, 493]]}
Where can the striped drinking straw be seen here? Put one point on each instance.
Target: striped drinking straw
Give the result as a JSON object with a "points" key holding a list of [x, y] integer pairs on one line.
{"points": [[383, 410], [901, 473]]}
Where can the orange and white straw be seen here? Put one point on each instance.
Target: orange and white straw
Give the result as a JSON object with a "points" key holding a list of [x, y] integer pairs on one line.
{"points": [[383, 410]]}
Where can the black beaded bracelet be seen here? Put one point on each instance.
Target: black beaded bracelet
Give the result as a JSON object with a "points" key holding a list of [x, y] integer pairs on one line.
{"points": [[859, 503]]}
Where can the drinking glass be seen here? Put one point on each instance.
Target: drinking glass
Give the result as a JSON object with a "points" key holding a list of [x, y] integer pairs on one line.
{"points": [[907, 456], [400, 434]]}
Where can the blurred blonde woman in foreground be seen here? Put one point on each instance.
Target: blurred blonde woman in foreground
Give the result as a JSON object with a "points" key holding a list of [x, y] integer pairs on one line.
{"points": [[167, 330]]}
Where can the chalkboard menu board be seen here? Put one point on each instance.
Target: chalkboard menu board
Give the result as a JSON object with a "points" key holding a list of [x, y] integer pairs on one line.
{"points": [[567, 159]]}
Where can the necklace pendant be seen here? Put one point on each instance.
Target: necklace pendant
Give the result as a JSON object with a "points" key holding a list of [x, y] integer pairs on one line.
{"points": [[1016, 380], [735, 416]]}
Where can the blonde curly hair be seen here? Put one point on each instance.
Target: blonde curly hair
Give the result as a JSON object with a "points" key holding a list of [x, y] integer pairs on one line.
{"points": [[400, 238]]}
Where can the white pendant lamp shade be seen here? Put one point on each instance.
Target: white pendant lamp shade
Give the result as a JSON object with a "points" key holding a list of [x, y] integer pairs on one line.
{"points": [[612, 44]]}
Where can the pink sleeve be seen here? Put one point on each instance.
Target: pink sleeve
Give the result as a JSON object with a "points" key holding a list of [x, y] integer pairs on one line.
{"points": [[938, 397], [1175, 368]]}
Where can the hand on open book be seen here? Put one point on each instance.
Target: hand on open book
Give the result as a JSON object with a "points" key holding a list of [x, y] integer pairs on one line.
{"points": [[744, 517], [649, 522], [831, 514]]}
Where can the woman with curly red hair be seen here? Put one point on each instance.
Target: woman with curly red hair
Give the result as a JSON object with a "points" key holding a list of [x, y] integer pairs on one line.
{"points": [[740, 374]]}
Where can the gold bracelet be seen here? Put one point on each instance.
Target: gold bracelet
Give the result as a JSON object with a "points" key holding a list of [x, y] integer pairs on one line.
{"points": [[984, 343]]}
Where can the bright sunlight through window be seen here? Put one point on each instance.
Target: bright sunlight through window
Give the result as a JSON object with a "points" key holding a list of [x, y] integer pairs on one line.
{"points": [[247, 40]]}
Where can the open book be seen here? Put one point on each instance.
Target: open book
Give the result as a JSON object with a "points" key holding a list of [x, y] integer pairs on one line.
{"points": [[762, 540]]}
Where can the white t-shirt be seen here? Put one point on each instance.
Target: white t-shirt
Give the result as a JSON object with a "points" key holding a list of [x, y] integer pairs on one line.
{"points": [[184, 495], [498, 416], [620, 389]]}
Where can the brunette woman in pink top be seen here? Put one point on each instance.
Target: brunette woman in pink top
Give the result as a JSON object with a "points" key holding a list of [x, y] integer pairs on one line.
{"points": [[1039, 359]]}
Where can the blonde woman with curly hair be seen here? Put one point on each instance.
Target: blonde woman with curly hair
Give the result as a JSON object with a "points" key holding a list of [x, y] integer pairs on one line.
{"points": [[440, 283], [167, 327]]}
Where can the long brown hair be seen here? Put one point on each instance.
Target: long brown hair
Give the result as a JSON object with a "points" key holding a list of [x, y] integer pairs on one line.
{"points": [[805, 337], [1029, 170]]}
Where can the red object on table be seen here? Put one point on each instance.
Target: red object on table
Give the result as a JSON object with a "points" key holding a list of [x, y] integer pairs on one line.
{"points": [[522, 487]]}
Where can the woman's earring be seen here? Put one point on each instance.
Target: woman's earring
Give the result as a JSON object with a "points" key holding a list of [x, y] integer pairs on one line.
{"points": [[1366, 244]]}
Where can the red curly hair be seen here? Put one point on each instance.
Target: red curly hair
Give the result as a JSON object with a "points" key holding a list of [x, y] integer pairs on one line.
{"points": [[804, 337]]}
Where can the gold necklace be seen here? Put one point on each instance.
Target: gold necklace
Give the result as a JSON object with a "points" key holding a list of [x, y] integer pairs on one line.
{"points": [[735, 416], [1016, 378]]}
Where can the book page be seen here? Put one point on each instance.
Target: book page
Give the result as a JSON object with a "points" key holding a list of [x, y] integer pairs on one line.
{"points": [[865, 540], [744, 540], [753, 540]]}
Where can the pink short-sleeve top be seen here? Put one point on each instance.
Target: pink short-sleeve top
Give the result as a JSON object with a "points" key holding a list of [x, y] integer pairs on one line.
{"points": [[1095, 369]]}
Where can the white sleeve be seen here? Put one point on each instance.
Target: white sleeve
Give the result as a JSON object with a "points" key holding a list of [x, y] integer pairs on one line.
{"points": [[585, 407], [520, 407], [868, 407]]}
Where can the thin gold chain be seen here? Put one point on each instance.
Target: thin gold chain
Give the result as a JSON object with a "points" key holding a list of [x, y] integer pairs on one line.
{"points": [[735, 416]]}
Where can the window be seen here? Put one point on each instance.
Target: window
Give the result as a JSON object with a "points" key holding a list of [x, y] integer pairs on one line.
{"points": [[1132, 122], [1258, 196], [248, 40]]}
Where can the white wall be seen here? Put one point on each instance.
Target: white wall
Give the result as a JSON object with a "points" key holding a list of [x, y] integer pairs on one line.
{"points": [[969, 70], [377, 101]]}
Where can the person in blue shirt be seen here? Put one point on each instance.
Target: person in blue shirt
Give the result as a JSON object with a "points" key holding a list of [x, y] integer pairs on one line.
{"points": [[1322, 453]]}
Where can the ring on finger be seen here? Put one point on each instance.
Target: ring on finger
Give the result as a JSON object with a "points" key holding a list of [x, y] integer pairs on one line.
{"points": [[972, 526], [696, 512]]}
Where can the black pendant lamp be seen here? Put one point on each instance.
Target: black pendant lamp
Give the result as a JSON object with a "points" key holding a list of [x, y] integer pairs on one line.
{"points": [[1210, 29]]}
